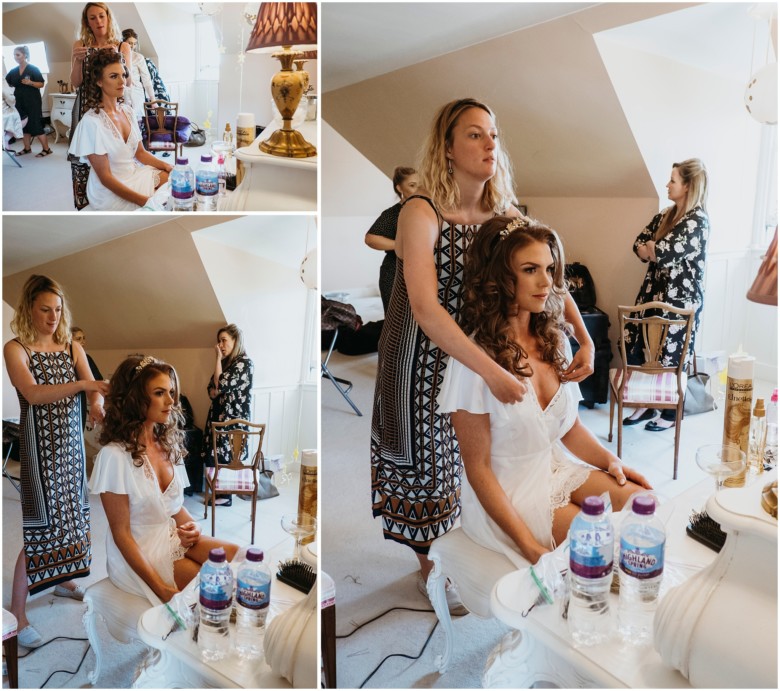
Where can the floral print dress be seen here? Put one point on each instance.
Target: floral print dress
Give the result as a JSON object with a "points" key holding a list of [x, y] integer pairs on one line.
{"points": [[676, 277], [233, 401]]}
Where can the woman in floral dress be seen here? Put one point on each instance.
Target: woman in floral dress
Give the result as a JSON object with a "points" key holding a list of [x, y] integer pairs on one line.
{"points": [[230, 391], [674, 246]]}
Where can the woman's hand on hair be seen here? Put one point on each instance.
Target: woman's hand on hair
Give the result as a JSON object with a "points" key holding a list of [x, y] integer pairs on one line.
{"points": [[96, 415], [506, 387], [79, 53], [189, 534], [100, 386], [581, 365]]}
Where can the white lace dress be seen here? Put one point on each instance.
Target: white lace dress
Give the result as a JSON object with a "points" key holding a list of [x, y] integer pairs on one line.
{"points": [[527, 457], [96, 134], [151, 512]]}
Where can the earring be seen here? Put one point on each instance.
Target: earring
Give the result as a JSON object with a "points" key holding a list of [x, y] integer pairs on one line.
{"points": [[449, 166]]}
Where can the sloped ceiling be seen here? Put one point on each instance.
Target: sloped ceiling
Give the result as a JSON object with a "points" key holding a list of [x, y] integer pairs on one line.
{"points": [[561, 120]]}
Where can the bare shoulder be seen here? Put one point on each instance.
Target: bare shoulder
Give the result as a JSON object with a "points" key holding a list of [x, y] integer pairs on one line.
{"points": [[13, 350]]}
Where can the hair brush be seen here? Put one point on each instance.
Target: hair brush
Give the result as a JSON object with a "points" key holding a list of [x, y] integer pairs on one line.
{"points": [[707, 531], [297, 574]]}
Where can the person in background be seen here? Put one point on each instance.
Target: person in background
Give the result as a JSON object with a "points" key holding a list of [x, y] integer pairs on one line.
{"points": [[98, 29], [124, 174], [12, 122], [27, 82], [230, 391], [77, 336], [381, 235], [415, 462], [154, 548], [522, 489], [674, 247], [142, 89], [48, 372]]}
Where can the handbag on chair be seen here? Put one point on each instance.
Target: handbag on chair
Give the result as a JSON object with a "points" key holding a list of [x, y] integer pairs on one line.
{"points": [[197, 136], [266, 489]]}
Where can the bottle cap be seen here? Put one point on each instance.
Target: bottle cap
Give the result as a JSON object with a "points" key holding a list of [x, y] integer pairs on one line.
{"points": [[227, 127], [644, 505], [254, 554], [221, 159], [205, 158], [182, 161], [217, 554], [774, 396], [593, 506], [759, 410]]}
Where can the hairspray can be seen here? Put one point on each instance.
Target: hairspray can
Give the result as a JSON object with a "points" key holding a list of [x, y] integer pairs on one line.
{"points": [[739, 400], [307, 488], [245, 135]]}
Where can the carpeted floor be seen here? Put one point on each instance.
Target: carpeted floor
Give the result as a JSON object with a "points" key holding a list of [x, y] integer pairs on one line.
{"points": [[62, 617], [373, 575]]}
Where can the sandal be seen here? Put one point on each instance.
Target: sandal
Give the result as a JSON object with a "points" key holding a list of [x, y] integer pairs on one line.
{"points": [[44, 152], [23, 152]]}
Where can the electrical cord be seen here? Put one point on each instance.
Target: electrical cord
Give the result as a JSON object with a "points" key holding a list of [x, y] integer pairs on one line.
{"points": [[56, 671]]}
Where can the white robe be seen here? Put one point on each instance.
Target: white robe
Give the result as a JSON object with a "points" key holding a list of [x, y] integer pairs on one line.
{"points": [[96, 134], [526, 455], [141, 89], [151, 516]]}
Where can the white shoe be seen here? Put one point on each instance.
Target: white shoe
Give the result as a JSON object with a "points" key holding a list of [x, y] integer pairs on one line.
{"points": [[29, 637], [77, 593], [454, 603]]}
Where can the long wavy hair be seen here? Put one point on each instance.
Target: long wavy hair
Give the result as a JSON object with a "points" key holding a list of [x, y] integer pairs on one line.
{"points": [[238, 346], [489, 293], [22, 323], [127, 404], [97, 62], [499, 192], [694, 174], [85, 33]]}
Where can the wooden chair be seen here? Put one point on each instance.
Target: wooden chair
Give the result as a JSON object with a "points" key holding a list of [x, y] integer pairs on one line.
{"points": [[234, 477], [161, 120], [11, 648], [651, 385]]}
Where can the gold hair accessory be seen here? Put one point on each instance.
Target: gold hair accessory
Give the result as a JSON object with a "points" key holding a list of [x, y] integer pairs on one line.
{"points": [[514, 225], [148, 360]]}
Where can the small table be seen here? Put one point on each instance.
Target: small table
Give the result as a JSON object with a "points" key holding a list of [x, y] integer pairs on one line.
{"points": [[62, 112], [176, 662], [541, 648]]}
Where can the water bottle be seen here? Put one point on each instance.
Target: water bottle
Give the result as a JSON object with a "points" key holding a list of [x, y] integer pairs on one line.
{"points": [[770, 450], [182, 186], [642, 544], [206, 184], [221, 175], [216, 597], [253, 596], [591, 544]]}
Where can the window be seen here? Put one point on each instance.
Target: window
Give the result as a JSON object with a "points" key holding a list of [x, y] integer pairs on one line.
{"points": [[765, 214], [37, 56], [206, 49]]}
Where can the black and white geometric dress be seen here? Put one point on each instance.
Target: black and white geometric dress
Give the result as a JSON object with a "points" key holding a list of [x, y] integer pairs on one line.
{"points": [[55, 503], [415, 460]]}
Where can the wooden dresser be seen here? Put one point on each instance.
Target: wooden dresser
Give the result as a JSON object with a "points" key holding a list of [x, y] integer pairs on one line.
{"points": [[61, 112]]}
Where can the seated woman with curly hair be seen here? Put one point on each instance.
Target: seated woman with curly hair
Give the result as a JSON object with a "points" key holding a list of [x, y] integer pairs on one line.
{"points": [[154, 547], [124, 175], [522, 489]]}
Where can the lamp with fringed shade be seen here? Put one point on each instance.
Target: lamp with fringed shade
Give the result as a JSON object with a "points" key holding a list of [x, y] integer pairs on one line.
{"points": [[284, 25]]}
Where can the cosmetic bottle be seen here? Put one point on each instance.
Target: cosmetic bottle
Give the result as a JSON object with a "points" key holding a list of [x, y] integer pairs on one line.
{"points": [[755, 457]]}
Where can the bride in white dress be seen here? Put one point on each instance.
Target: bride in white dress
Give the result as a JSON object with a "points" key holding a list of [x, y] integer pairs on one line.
{"points": [[124, 174], [154, 547], [522, 488]]}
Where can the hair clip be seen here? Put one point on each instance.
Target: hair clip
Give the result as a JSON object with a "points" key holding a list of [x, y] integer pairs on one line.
{"points": [[514, 225], [148, 360]]}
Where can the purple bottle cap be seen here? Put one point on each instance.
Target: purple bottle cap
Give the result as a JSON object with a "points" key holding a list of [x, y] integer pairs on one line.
{"points": [[254, 554], [182, 161], [593, 506], [217, 554], [205, 159], [644, 505]]}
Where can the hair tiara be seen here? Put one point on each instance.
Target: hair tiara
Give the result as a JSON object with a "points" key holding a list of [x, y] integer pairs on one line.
{"points": [[520, 222], [147, 360]]}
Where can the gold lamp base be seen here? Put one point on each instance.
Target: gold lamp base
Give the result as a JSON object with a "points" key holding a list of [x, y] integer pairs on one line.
{"points": [[769, 498], [289, 143]]}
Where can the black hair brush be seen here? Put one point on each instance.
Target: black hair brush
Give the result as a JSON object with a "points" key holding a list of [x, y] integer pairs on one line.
{"points": [[297, 574], [707, 531]]}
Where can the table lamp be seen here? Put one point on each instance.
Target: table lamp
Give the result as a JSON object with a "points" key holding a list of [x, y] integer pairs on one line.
{"points": [[282, 25]]}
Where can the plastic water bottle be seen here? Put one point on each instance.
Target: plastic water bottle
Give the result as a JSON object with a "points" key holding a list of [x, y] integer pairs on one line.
{"points": [[182, 186], [253, 596], [221, 175], [642, 544], [770, 450], [206, 184], [591, 545], [216, 597]]}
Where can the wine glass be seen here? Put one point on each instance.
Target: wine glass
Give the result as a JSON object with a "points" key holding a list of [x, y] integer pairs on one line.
{"points": [[721, 461], [299, 525]]}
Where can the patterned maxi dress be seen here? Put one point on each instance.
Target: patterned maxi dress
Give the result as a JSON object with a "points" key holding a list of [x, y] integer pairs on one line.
{"points": [[677, 278], [55, 502], [415, 459], [386, 226]]}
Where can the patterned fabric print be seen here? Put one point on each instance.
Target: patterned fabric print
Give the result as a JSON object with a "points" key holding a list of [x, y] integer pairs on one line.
{"points": [[677, 278], [55, 505], [386, 226], [233, 401], [79, 172], [416, 468], [160, 92]]}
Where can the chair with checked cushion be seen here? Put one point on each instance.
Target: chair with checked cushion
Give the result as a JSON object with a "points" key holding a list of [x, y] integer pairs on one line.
{"points": [[235, 477], [651, 385]]}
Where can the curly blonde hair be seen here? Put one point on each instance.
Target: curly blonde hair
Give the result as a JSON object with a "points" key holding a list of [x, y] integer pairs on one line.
{"points": [[93, 72], [85, 33], [499, 192], [22, 323], [489, 293], [127, 403]]}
